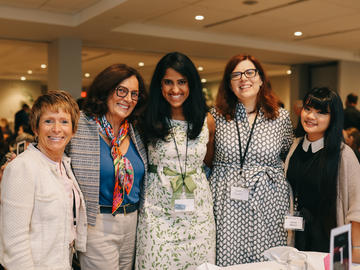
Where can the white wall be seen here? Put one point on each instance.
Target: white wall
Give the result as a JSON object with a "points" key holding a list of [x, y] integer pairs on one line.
{"points": [[349, 79], [281, 87], [14, 93]]}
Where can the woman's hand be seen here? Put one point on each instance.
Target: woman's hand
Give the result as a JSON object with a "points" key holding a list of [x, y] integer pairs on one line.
{"points": [[10, 156], [210, 145]]}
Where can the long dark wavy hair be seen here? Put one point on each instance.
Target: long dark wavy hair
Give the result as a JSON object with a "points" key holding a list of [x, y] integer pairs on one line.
{"points": [[327, 101], [103, 87], [226, 100], [158, 112]]}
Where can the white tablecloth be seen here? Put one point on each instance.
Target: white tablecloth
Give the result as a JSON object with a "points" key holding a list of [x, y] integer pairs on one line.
{"points": [[315, 260]]}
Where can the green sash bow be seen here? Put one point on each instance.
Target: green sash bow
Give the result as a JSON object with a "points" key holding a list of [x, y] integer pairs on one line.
{"points": [[176, 179]]}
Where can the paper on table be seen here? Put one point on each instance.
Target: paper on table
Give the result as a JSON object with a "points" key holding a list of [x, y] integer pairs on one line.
{"points": [[207, 266], [284, 254]]}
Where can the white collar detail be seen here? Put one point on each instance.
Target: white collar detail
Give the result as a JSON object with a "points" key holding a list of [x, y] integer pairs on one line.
{"points": [[315, 146]]}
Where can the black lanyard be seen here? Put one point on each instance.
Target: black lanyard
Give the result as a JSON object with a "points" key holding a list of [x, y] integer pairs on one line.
{"points": [[183, 174], [242, 158], [74, 207]]}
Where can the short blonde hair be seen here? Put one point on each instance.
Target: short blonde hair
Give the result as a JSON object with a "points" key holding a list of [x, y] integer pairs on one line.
{"points": [[53, 101]]}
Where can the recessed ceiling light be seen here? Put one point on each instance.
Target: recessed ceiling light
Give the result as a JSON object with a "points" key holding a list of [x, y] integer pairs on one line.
{"points": [[288, 71], [200, 68], [298, 33], [29, 71], [199, 17], [203, 80], [43, 66], [141, 64], [23, 78], [87, 75]]}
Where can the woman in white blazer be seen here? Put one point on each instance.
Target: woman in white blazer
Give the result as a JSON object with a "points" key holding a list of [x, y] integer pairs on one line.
{"points": [[43, 216]]}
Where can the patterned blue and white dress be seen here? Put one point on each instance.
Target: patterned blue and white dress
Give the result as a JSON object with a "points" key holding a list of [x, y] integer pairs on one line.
{"points": [[247, 228]]}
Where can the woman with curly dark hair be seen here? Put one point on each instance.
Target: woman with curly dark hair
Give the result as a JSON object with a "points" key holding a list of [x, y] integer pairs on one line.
{"points": [[110, 164], [251, 196]]}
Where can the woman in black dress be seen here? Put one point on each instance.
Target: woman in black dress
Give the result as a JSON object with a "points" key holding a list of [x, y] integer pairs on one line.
{"points": [[324, 174]]}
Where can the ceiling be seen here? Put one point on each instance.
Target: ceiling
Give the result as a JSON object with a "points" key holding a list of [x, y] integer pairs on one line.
{"points": [[130, 31]]}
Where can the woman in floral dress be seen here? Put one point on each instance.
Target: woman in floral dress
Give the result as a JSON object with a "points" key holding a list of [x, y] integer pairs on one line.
{"points": [[176, 227]]}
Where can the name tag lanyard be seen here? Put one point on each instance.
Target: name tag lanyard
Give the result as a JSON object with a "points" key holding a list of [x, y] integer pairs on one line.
{"points": [[183, 173], [243, 157]]}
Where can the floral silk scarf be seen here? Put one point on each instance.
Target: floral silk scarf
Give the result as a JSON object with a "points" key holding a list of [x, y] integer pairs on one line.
{"points": [[124, 172]]}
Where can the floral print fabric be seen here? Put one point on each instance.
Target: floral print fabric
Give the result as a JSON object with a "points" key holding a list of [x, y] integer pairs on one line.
{"points": [[169, 240]]}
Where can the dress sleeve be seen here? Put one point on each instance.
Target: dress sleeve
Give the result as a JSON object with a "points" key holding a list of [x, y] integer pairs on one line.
{"points": [[350, 171], [17, 202], [288, 134]]}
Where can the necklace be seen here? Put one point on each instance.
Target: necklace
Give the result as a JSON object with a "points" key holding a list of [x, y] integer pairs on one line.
{"points": [[251, 111]]}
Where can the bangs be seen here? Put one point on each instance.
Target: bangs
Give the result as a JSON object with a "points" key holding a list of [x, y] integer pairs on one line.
{"points": [[56, 107], [319, 103]]}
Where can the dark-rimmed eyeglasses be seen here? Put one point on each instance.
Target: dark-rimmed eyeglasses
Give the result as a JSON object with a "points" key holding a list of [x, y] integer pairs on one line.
{"points": [[122, 91], [249, 73]]}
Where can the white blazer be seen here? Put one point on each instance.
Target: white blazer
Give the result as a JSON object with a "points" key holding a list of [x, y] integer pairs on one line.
{"points": [[34, 230]]}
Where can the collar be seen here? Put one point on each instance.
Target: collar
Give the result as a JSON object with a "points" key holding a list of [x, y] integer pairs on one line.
{"points": [[240, 108], [315, 146], [65, 159]]}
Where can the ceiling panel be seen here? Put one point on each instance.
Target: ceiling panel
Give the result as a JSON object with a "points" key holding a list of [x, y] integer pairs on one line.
{"points": [[309, 12], [23, 3], [18, 57], [67, 6], [353, 4], [271, 28], [239, 7], [313, 17], [214, 12], [339, 41]]}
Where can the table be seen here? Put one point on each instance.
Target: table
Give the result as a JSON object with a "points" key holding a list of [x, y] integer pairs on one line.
{"points": [[315, 260]]}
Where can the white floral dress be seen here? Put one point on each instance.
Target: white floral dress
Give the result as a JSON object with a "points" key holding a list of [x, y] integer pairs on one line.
{"points": [[169, 240]]}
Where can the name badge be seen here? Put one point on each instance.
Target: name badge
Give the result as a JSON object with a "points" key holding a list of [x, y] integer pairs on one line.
{"points": [[294, 223], [239, 193], [184, 205]]}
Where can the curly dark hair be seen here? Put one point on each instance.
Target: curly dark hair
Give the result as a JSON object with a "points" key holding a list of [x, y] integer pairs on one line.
{"points": [[103, 87]]}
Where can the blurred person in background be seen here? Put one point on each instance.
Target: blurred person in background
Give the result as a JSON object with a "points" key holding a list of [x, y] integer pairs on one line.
{"points": [[352, 138], [22, 119], [351, 113]]}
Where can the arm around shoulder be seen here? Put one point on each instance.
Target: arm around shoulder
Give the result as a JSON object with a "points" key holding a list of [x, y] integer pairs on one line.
{"points": [[210, 145]]}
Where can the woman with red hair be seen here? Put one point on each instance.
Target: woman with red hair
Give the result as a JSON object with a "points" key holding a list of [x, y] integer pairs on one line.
{"points": [[251, 196]]}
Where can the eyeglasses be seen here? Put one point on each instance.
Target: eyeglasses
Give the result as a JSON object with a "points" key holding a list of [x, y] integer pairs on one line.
{"points": [[249, 73], [122, 92]]}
